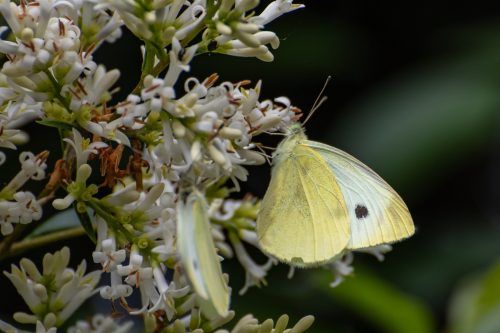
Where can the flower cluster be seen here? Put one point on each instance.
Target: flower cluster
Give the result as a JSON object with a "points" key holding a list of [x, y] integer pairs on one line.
{"points": [[54, 294], [124, 163]]}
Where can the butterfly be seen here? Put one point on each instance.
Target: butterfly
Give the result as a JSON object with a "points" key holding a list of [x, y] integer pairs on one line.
{"points": [[322, 201], [199, 256]]}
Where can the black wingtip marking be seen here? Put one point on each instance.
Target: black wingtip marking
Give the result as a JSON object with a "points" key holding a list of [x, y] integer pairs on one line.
{"points": [[361, 211]]}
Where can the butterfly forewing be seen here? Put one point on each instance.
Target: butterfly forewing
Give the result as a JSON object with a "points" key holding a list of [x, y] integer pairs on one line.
{"points": [[378, 214], [303, 219]]}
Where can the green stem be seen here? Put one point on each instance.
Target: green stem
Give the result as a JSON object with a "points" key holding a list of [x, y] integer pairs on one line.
{"points": [[148, 67], [115, 225], [27, 244], [57, 89], [7, 243]]}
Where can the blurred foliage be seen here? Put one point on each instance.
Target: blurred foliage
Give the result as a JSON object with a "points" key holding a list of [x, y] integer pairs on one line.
{"points": [[379, 303], [475, 305]]}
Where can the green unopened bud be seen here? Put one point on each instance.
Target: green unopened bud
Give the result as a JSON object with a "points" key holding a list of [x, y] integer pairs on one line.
{"points": [[266, 326], [195, 319], [266, 57], [212, 325], [149, 322], [49, 320], [81, 207], [216, 155], [150, 17], [179, 327], [178, 129], [247, 38], [230, 133], [26, 35], [250, 328], [223, 29], [154, 116], [303, 324], [24, 318], [143, 243], [281, 324]]}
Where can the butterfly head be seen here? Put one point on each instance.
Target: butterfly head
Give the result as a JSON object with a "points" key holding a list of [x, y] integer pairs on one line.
{"points": [[294, 134], [294, 129]]}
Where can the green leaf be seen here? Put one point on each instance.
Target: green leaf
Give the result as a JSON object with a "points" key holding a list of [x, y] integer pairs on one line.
{"points": [[378, 302], [149, 58], [62, 220], [86, 223], [475, 305], [408, 123], [57, 124]]}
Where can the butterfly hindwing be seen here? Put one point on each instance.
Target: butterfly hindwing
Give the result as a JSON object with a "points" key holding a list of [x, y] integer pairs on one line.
{"points": [[303, 219], [377, 213]]}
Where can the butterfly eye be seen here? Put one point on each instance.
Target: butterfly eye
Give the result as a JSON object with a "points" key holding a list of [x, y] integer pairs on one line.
{"points": [[361, 211]]}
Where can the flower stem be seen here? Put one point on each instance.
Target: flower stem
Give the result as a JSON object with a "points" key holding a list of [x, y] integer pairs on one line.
{"points": [[27, 244]]}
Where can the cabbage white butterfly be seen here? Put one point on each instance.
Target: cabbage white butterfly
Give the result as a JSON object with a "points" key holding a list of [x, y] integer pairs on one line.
{"points": [[199, 256], [322, 201]]}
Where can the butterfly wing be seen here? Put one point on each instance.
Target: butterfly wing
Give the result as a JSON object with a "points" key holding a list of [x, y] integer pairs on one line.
{"points": [[199, 257], [378, 214], [303, 220]]}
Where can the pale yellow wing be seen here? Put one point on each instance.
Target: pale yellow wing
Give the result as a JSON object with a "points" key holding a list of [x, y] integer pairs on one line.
{"points": [[303, 220], [378, 214], [199, 257]]}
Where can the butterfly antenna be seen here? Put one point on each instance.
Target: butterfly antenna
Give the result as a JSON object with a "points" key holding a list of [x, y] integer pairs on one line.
{"points": [[275, 133], [319, 100]]}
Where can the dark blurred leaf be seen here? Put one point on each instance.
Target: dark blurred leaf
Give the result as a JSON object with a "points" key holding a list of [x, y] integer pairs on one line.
{"points": [[59, 221], [475, 306], [378, 302], [421, 122], [57, 124]]}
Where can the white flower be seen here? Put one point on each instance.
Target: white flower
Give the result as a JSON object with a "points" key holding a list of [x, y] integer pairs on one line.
{"points": [[55, 293], [132, 111], [40, 328], [32, 167], [157, 294], [377, 251], [179, 61], [95, 87], [23, 210], [341, 268], [274, 10], [254, 274], [134, 271], [83, 148], [109, 257], [116, 289], [101, 324], [108, 130], [77, 189]]}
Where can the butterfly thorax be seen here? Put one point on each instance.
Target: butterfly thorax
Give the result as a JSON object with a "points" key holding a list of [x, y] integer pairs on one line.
{"points": [[294, 135]]}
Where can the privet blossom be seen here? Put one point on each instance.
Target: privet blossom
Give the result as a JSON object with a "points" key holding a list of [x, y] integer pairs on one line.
{"points": [[123, 162]]}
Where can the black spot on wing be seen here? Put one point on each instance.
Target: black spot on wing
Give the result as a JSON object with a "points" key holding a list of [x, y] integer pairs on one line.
{"points": [[361, 211]]}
